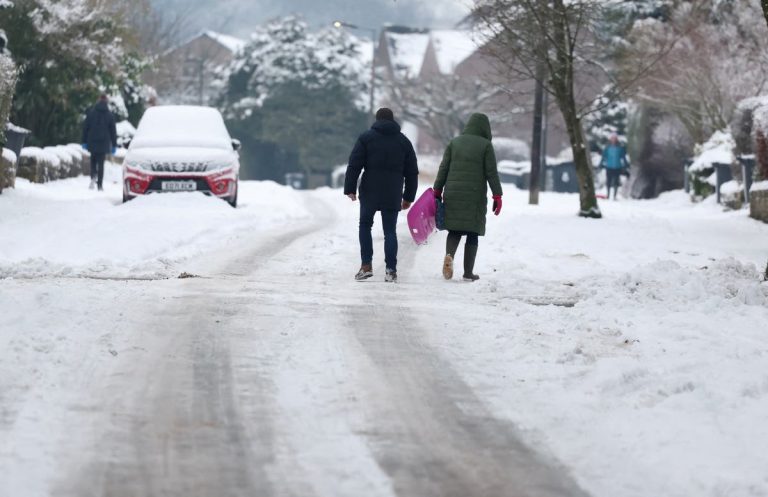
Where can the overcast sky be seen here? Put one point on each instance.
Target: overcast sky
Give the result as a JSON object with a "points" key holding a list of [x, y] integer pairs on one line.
{"points": [[239, 17]]}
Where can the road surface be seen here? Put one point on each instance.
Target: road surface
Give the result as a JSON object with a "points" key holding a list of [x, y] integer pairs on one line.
{"points": [[274, 374]]}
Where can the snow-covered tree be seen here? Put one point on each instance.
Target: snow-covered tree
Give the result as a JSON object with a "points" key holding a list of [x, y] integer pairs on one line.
{"points": [[442, 104], [286, 51], [298, 90], [719, 57], [7, 84], [67, 52]]}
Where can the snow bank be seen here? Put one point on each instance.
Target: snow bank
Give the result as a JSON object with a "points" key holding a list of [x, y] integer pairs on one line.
{"points": [[718, 149], [631, 348], [9, 155], [730, 188], [41, 155], [65, 229]]}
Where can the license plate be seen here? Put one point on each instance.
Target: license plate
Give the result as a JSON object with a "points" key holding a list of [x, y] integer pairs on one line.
{"points": [[179, 186]]}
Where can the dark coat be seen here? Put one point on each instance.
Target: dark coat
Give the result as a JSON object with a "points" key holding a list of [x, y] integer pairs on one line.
{"points": [[388, 161], [468, 167], [99, 131]]}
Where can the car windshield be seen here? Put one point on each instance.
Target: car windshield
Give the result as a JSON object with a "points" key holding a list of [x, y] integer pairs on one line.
{"points": [[182, 126]]}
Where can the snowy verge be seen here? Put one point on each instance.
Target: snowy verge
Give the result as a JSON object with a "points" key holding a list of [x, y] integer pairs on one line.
{"points": [[64, 229]]}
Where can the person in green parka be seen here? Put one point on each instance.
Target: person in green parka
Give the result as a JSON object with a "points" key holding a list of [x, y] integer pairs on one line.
{"points": [[468, 167]]}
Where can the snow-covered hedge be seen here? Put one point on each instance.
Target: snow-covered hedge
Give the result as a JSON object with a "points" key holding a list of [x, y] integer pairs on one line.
{"points": [[40, 165], [719, 149], [7, 169]]}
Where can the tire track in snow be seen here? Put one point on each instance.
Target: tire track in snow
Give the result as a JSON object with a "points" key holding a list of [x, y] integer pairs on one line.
{"points": [[195, 426], [431, 433]]}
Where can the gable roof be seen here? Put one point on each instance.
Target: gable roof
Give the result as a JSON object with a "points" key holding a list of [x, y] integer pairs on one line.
{"points": [[406, 52], [452, 47]]}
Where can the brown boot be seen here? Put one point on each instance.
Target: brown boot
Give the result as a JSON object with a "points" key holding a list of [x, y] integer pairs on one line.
{"points": [[448, 267], [366, 271]]}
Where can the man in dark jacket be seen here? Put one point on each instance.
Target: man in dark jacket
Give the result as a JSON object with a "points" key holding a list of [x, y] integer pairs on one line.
{"points": [[99, 138], [388, 162]]}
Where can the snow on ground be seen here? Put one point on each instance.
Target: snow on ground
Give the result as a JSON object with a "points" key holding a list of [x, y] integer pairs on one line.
{"points": [[632, 348], [655, 381], [64, 229]]}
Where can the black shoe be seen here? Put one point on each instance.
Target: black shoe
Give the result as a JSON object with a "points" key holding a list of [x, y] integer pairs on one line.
{"points": [[366, 271], [390, 276], [471, 277]]}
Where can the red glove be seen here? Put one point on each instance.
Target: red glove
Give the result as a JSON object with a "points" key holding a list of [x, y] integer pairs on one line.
{"points": [[497, 204], [438, 192]]}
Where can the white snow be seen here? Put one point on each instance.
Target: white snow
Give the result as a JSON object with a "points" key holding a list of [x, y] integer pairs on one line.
{"points": [[125, 128], [41, 155], [452, 47], [759, 186], [730, 187], [18, 129], [406, 53], [633, 348], [231, 43], [9, 155], [514, 168], [182, 126], [65, 229], [717, 150]]}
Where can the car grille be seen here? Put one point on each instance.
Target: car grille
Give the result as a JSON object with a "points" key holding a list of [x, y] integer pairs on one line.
{"points": [[178, 167]]}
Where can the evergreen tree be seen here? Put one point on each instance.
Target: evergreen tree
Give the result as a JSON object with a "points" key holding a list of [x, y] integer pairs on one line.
{"points": [[295, 94], [68, 51]]}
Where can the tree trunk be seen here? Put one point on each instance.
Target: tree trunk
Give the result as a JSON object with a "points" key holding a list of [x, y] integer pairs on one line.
{"points": [[587, 199], [536, 148]]}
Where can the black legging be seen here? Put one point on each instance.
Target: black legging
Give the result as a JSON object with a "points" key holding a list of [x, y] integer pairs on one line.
{"points": [[613, 176], [454, 238], [97, 168]]}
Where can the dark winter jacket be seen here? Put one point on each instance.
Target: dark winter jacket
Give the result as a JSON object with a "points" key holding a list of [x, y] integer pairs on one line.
{"points": [[99, 131], [468, 167], [387, 160]]}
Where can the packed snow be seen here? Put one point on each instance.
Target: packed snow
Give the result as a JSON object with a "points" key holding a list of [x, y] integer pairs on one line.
{"points": [[632, 349]]}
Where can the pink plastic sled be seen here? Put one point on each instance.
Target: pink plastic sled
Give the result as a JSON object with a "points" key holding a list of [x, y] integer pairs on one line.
{"points": [[421, 217]]}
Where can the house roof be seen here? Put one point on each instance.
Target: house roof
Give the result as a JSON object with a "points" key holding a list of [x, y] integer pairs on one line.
{"points": [[406, 52], [231, 43], [452, 47]]}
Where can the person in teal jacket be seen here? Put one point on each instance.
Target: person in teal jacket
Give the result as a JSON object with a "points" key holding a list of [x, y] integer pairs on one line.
{"points": [[614, 161]]}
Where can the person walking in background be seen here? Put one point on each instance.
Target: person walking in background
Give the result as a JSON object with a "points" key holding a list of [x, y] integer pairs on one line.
{"points": [[468, 167], [99, 138], [614, 161], [387, 161]]}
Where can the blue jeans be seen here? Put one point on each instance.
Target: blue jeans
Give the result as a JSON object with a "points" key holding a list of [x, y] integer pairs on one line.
{"points": [[389, 223]]}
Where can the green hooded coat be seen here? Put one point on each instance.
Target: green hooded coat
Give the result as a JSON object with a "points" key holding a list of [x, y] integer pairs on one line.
{"points": [[468, 167]]}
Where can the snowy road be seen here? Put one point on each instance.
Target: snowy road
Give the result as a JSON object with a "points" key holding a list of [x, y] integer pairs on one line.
{"points": [[235, 399], [566, 367]]}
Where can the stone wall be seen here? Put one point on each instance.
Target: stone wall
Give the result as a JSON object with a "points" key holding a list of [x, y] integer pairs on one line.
{"points": [[758, 205]]}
